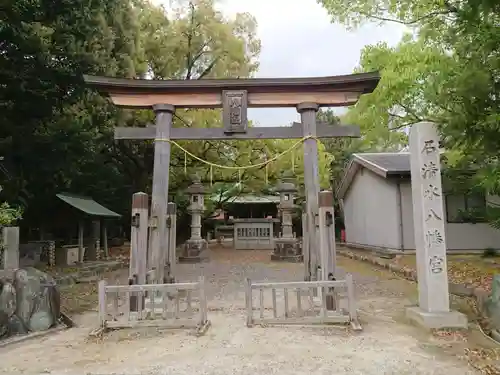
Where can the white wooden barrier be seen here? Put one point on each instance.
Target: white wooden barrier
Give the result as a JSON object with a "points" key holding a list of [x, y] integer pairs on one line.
{"points": [[304, 308], [153, 305], [253, 234]]}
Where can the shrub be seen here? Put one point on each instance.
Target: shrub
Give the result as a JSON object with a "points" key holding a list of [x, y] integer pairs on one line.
{"points": [[8, 214]]}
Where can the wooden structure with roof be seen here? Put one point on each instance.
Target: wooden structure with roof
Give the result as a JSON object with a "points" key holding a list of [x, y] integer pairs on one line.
{"points": [[234, 96], [376, 199], [82, 210]]}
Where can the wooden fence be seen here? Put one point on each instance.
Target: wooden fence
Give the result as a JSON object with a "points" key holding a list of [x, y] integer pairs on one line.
{"points": [[304, 308], [252, 234], [176, 305]]}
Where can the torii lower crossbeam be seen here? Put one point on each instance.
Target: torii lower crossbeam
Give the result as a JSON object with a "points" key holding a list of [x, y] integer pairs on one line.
{"points": [[278, 132]]}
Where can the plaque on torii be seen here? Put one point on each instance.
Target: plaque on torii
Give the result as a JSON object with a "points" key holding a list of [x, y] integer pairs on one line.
{"points": [[234, 111], [235, 96]]}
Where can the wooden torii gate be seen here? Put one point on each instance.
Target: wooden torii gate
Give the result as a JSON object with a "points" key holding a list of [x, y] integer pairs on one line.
{"points": [[307, 95]]}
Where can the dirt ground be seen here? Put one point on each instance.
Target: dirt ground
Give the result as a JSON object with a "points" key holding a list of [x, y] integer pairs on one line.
{"points": [[387, 345], [473, 270]]}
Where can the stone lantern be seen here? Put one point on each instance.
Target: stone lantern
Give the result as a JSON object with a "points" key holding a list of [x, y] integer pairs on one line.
{"points": [[196, 245], [287, 247]]}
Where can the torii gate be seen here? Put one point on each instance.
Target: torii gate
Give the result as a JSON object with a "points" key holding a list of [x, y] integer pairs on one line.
{"points": [[235, 96]]}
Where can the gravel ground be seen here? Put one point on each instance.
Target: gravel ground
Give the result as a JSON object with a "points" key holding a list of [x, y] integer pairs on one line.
{"points": [[387, 344]]}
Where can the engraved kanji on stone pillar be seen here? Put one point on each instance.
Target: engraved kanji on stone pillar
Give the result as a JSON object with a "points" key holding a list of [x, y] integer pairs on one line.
{"points": [[429, 225], [287, 247], [196, 246]]}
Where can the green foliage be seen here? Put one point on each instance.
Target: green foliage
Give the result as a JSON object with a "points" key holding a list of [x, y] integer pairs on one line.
{"points": [[340, 150], [58, 135], [8, 214], [446, 70]]}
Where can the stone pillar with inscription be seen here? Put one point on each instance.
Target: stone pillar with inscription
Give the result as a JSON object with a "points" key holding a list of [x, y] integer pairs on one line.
{"points": [[433, 310], [195, 247]]}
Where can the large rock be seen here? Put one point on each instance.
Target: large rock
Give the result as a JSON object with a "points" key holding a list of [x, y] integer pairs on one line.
{"points": [[29, 301], [7, 298], [16, 326], [38, 300], [46, 311], [7, 306], [4, 324]]}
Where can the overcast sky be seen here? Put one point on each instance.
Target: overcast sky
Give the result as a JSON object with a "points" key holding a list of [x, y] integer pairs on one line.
{"points": [[298, 40]]}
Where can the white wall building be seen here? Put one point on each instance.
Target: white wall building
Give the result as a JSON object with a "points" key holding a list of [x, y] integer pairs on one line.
{"points": [[376, 199]]}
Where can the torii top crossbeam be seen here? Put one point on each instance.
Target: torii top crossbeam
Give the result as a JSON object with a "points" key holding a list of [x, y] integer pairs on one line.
{"points": [[334, 91]]}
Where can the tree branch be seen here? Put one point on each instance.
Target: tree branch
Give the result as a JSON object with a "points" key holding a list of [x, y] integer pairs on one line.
{"points": [[209, 68], [411, 22], [189, 63]]}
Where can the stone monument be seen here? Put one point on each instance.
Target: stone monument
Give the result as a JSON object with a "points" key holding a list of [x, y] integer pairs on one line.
{"points": [[29, 301], [9, 248], [287, 247], [196, 245], [433, 310]]}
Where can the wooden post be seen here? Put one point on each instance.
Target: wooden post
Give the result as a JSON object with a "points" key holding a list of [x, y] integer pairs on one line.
{"points": [[248, 302], [311, 179], [101, 288], [327, 248], [139, 238], [81, 254], [305, 243], [203, 301], [327, 234], [159, 241], [172, 238], [105, 239]]}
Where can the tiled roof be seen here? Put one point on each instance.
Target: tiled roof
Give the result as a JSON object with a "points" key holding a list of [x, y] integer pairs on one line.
{"points": [[87, 205], [393, 163]]}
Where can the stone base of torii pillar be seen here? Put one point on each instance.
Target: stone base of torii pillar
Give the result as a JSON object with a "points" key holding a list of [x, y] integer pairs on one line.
{"points": [[433, 310]]}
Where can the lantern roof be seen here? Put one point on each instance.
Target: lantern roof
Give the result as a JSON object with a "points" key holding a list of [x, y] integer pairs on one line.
{"points": [[196, 187]]}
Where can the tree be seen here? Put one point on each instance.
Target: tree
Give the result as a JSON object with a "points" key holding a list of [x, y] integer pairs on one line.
{"points": [[58, 135], [198, 42], [446, 71], [52, 127], [431, 74], [374, 138]]}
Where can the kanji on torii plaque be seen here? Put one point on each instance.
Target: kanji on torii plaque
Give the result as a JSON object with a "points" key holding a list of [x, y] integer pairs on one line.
{"points": [[307, 95]]}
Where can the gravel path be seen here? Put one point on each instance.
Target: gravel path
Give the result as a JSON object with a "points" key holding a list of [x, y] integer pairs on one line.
{"points": [[386, 345]]}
